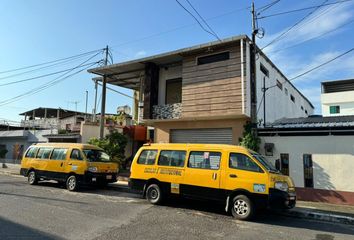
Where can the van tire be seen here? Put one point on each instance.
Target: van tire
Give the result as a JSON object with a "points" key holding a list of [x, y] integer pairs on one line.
{"points": [[242, 208], [71, 183], [32, 178], [154, 194]]}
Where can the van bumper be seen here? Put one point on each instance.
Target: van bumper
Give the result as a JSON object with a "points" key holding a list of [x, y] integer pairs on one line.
{"points": [[24, 171], [91, 177], [281, 200]]}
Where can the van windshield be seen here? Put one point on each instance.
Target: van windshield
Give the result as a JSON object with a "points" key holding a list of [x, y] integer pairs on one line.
{"points": [[94, 155], [265, 162]]}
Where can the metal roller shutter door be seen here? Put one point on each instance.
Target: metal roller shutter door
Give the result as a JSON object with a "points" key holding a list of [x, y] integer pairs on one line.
{"points": [[209, 135]]}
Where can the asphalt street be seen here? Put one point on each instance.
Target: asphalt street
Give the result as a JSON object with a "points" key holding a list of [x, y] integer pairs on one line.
{"points": [[48, 211]]}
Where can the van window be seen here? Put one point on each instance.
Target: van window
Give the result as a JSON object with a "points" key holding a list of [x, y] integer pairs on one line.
{"points": [[243, 162], [43, 153], [172, 158], [147, 157], [204, 160], [59, 154], [31, 153], [76, 154]]}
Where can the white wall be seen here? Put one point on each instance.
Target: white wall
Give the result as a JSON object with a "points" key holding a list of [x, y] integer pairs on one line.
{"points": [[332, 156], [166, 74], [278, 103], [345, 100]]}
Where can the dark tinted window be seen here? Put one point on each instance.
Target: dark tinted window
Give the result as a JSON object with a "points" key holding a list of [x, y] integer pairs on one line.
{"points": [[279, 85], [264, 70], [172, 158], [44, 153], [174, 91], [59, 154], [31, 153], [147, 157], [308, 170], [243, 162], [76, 154], [292, 98], [205, 160], [284, 163], [214, 58]]}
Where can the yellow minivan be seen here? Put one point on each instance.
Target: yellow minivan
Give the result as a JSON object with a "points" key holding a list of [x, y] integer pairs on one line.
{"points": [[241, 179], [69, 163]]}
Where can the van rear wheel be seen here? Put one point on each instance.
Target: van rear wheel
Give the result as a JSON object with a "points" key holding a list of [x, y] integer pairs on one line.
{"points": [[32, 178], [154, 194], [242, 208], [71, 183]]}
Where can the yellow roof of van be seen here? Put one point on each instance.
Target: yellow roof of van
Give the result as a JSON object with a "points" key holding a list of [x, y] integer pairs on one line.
{"points": [[67, 145], [196, 145]]}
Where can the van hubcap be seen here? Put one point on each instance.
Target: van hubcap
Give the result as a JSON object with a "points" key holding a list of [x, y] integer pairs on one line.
{"points": [[72, 183], [154, 194], [31, 177], [240, 207]]}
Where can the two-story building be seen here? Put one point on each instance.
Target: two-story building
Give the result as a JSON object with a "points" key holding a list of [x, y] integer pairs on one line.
{"points": [[201, 94], [337, 98]]}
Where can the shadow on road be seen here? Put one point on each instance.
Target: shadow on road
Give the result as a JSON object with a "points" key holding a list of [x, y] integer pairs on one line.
{"points": [[11, 230]]}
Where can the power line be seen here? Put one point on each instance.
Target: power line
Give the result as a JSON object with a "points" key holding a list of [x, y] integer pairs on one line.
{"points": [[314, 38], [317, 67], [45, 63], [114, 90], [264, 8], [196, 19], [279, 37], [301, 9], [205, 22]]}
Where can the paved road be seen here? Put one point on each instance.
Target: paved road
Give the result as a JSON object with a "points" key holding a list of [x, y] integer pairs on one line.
{"points": [[48, 211]]}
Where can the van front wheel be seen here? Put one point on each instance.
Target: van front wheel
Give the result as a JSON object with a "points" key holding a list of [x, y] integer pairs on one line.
{"points": [[71, 183], [32, 178], [154, 194], [242, 208]]}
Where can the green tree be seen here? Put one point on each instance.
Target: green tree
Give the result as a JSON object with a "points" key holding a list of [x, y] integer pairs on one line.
{"points": [[2, 156], [250, 139], [113, 144]]}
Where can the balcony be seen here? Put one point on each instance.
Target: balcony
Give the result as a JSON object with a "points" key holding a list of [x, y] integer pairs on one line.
{"points": [[167, 111]]}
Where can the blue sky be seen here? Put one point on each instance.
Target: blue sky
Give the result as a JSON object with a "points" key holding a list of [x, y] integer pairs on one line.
{"points": [[35, 31]]}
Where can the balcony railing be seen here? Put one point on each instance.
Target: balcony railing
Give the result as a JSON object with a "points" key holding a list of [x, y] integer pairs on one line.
{"points": [[168, 111]]}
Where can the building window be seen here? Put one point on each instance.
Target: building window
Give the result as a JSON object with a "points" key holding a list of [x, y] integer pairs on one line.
{"points": [[243, 162], [284, 163], [286, 91], [173, 91], [306, 112], [334, 109], [213, 58], [292, 98], [147, 157], [302, 108], [308, 170], [279, 85], [264, 70], [204, 160], [172, 158]]}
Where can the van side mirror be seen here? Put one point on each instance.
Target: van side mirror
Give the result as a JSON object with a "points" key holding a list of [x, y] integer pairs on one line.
{"points": [[277, 164]]}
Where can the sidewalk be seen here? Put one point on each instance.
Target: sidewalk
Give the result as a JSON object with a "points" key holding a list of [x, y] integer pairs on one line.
{"points": [[309, 210]]}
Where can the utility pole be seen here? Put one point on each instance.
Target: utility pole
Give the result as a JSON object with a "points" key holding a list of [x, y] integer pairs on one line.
{"points": [[253, 70], [103, 104], [95, 106], [86, 105]]}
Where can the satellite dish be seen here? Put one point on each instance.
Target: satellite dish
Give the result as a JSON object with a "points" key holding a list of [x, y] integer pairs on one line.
{"points": [[124, 109]]}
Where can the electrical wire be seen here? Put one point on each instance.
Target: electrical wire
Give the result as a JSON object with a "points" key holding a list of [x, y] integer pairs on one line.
{"points": [[264, 8], [301, 9], [205, 22], [45, 63], [196, 19], [279, 37], [114, 90]]}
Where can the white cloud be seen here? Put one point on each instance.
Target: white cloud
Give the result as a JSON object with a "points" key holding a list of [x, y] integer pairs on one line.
{"points": [[140, 54]]}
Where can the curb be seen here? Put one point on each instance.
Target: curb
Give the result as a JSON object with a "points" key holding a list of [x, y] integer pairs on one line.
{"points": [[317, 215]]}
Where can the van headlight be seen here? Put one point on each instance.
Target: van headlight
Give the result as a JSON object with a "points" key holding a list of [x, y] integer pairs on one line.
{"points": [[282, 186], [92, 169]]}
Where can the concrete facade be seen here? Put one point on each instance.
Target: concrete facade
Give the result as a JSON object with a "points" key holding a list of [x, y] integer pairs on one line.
{"points": [[345, 101]]}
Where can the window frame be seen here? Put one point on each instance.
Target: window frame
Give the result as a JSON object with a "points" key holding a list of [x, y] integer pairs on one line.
{"points": [[264, 70], [336, 108], [50, 153], [81, 155], [173, 80], [66, 153], [172, 150], [279, 85], [241, 169], [311, 172], [156, 157], [284, 156], [189, 156], [35, 153], [198, 63]]}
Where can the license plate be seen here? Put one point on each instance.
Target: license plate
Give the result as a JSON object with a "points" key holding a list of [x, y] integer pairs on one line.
{"points": [[109, 177], [292, 198]]}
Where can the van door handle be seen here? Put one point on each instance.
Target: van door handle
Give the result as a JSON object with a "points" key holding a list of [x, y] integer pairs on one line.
{"points": [[61, 164], [214, 176], [233, 176], [70, 164]]}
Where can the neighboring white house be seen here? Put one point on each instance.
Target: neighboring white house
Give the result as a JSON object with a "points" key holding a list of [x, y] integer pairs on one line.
{"points": [[338, 98], [317, 152]]}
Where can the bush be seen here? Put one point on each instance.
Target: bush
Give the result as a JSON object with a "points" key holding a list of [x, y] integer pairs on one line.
{"points": [[113, 144], [250, 140]]}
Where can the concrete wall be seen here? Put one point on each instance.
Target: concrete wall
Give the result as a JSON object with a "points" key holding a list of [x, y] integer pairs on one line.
{"points": [[162, 129], [345, 100], [332, 156], [278, 102], [92, 130]]}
